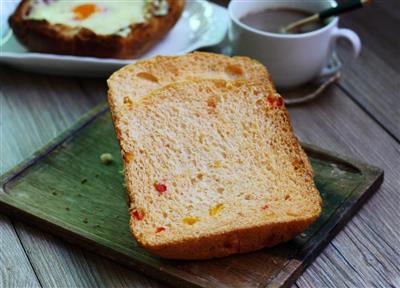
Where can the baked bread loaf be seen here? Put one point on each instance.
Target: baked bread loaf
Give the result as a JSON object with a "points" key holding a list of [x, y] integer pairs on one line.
{"points": [[97, 28], [213, 168]]}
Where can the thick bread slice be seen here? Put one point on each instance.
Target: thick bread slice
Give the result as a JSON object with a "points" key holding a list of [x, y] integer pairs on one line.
{"points": [[213, 168], [134, 81]]}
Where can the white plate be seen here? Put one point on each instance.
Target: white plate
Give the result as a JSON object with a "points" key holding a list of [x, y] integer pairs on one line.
{"points": [[202, 24]]}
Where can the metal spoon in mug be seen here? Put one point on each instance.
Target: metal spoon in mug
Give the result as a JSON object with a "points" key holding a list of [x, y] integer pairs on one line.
{"points": [[334, 11]]}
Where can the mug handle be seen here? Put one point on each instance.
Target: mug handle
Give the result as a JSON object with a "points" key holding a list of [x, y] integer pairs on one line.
{"points": [[330, 73], [355, 42]]}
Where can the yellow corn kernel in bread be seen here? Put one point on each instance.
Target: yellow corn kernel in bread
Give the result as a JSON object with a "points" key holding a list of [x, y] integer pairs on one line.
{"points": [[261, 194]]}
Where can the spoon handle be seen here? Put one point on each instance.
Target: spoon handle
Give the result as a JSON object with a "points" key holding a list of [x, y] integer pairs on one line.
{"points": [[342, 8]]}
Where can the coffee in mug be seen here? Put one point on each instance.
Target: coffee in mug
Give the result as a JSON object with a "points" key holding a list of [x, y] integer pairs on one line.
{"points": [[292, 59], [273, 20]]}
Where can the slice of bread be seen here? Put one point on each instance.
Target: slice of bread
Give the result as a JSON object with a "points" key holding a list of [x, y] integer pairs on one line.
{"points": [[130, 83], [134, 81], [40, 35], [213, 168]]}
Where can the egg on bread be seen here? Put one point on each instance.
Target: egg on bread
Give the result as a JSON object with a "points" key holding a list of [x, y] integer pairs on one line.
{"points": [[103, 18], [98, 28]]}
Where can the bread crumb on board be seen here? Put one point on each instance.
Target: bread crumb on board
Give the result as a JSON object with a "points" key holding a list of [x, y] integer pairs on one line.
{"points": [[106, 158]]}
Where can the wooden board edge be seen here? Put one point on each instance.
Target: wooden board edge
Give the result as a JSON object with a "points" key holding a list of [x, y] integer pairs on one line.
{"points": [[285, 278], [101, 108], [295, 267], [167, 275], [361, 166], [42, 152]]}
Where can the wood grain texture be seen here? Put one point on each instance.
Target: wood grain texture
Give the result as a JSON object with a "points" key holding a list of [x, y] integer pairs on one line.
{"points": [[15, 269], [367, 251], [93, 212], [329, 265], [373, 80], [370, 81], [34, 109], [71, 266]]}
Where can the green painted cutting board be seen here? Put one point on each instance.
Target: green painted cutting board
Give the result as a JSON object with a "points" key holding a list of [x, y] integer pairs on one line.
{"points": [[65, 189]]}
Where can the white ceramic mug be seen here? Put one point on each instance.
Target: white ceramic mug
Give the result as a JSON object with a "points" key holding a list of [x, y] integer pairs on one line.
{"points": [[292, 59]]}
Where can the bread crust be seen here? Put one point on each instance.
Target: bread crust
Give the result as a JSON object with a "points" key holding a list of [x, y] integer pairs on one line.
{"points": [[41, 36], [157, 66], [224, 244], [220, 243]]}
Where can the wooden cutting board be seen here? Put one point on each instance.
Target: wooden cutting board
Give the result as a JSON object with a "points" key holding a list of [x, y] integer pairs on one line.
{"points": [[65, 189]]}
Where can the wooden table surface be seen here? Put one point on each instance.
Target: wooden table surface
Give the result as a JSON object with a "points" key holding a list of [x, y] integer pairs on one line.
{"points": [[358, 117]]}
